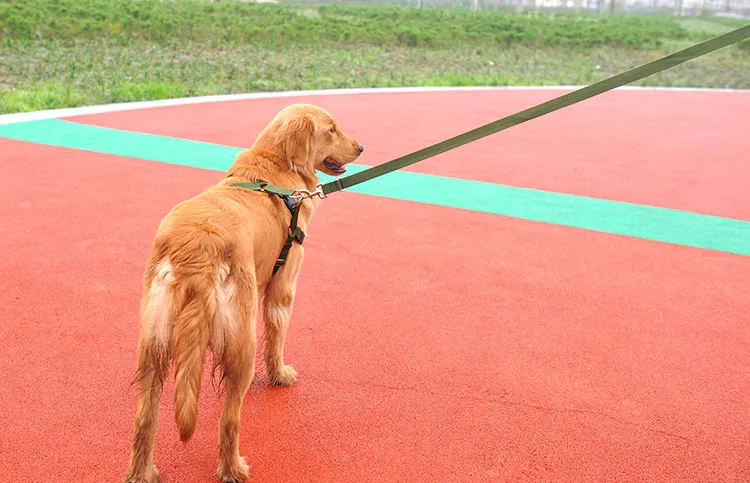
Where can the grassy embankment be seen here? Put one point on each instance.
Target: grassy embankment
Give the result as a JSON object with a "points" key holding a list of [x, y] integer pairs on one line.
{"points": [[62, 53]]}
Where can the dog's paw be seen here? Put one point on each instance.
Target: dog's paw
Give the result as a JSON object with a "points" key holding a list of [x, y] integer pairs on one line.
{"points": [[286, 376], [149, 477], [238, 473]]}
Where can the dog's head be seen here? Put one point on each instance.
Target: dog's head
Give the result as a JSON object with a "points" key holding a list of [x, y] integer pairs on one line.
{"points": [[310, 140]]}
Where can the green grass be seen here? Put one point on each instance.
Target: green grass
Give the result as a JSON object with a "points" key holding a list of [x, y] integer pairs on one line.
{"points": [[63, 53], [236, 23], [705, 26]]}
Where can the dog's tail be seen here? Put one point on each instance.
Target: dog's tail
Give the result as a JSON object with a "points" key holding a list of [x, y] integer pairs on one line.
{"points": [[195, 303], [179, 307]]}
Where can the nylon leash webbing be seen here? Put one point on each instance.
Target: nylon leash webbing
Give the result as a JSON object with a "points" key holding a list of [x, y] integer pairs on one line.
{"points": [[574, 97]]}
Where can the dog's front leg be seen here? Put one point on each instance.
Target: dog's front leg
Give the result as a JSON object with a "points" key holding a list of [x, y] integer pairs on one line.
{"points": [[277, 312]]}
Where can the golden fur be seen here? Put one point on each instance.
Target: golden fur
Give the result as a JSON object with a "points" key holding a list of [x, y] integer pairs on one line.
{"points": [[209, 268]]}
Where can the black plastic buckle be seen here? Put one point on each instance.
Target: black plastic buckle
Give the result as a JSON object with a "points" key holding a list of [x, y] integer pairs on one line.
{"points": [[290, 202], [297, 234]]}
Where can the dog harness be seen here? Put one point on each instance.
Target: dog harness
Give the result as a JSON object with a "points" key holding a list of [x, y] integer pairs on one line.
{"points": [[293, 205]]}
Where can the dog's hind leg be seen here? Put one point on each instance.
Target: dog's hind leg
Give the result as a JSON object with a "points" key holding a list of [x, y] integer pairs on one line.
{"points": [[237, 302], [153, 367], [277, 311]]}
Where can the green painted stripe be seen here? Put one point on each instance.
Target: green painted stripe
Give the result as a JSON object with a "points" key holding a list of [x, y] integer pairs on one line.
{"points": [[55, 132], [639, 221]]}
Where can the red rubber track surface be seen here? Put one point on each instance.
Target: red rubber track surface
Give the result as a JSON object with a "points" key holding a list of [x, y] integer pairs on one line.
{"points": [[659, 148], [432, 344]]}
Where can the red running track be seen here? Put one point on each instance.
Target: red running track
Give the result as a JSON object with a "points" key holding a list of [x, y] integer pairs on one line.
{"points": [[675, 149], [435, 345]]}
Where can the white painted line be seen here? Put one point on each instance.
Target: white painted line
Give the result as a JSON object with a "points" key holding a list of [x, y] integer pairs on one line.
{"points": [[129, 106]]}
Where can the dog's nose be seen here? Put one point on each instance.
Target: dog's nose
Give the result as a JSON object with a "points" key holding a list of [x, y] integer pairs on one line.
{"points": [[361, 148]]}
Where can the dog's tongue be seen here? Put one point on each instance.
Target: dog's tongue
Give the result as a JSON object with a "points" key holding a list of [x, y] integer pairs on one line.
{"points": [[334, 166]]}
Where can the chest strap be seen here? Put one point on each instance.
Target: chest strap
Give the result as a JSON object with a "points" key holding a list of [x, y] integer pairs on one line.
{"points": [[293, 205]]}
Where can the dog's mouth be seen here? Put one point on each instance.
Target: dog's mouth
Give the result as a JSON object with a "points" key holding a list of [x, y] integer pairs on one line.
{"points": [[334, 166]]}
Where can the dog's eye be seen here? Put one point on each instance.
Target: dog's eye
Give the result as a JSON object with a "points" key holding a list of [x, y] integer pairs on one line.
{"points": [[333, 130]]}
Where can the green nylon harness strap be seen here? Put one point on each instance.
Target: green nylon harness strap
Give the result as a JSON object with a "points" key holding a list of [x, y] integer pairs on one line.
{"points": [[295, 234], [579, 95], [293, 205], [267, 187]]}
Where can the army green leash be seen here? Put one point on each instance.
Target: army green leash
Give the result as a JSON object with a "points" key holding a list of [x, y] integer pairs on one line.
{"points": [[566, 100], [293, 198]]}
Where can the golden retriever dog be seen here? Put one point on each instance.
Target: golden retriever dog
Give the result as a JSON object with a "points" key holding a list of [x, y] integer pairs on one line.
{"points": [[211, 263]]}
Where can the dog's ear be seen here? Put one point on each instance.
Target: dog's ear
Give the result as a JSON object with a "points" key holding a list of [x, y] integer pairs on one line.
{"points": [[295, 138]]}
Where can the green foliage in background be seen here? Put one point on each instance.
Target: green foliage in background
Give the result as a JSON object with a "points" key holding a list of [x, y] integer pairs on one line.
{"points": [[233, 23], [61, 53]]}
